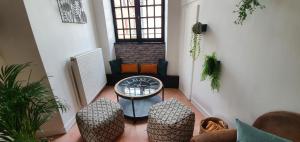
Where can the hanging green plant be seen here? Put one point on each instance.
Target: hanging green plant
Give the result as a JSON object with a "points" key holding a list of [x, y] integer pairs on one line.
{"points": [[196, 37], [246, 7], [212, 69]]}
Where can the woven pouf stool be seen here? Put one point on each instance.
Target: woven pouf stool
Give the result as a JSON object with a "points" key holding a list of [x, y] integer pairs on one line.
{"points": [[170, 121], [101, 121]]}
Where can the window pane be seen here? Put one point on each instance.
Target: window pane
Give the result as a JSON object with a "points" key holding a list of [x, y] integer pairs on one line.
{"points": [[132, 23], [133, 32], [142, 2], [151, 33], [126, 24], [124, 3], [157, 1], [132, 12], [133, 37], [150, 2], [150, 11], [125, 12], [150, 22], [119, 24], [144, 23], [131, 2], [157, 22], [157, 10], [117, 3], [118, 13], [127, 32], [120, 36], [143, 12], [127, 36], [144, 33], [120, 32], [157, 33]]}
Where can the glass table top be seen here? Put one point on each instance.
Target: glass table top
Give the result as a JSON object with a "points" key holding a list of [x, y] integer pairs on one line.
{"points": [[138, 86]]}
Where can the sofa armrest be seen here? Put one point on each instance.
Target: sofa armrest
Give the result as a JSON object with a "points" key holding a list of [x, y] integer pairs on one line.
{"points": [[218, 136]]}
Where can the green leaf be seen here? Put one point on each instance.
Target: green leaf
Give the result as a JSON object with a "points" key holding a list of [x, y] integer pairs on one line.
{"points": [[24, 105], [212, 69], [246, 7]]}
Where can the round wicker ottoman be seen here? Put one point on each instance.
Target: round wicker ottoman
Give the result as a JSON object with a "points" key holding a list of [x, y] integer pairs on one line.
{"points": [[101, 121], [170, 121]]}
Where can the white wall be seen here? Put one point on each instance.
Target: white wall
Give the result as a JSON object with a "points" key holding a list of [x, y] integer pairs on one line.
{"points": [[57, 42], [2, 61], [187, 18], [16, 39], [105, 30], [17, 46], [172, 13], [260, 60]]}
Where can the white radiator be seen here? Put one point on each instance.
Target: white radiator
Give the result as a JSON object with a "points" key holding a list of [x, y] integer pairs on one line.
{"points": [[88, 73]]}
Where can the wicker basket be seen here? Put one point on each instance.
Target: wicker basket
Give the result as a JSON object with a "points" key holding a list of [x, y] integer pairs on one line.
{"points": [[211, 124]]}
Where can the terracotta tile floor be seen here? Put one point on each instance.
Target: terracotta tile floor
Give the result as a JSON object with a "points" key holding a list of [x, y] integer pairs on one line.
{"points": [[133, 132]]}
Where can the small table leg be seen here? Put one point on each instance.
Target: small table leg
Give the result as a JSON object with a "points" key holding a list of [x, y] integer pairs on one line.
{"points": [[117, 98], [133, 110]]}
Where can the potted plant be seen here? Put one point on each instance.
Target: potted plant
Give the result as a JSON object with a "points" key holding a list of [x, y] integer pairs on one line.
{"points": [[246, 7], [24, 105], [196, 37], [212, 69]]}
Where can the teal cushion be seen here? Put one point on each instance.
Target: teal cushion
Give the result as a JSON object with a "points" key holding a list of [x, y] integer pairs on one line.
{"points": [[162, 67], [115, 66], [247, 133]]}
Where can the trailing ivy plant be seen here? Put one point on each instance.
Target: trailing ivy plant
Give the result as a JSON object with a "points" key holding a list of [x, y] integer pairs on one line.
{"points": [[246, 7], [212, 69], [196, 37]]}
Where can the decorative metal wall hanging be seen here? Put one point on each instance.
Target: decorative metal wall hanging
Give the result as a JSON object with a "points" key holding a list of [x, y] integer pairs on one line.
{"points": [[71, 11]]}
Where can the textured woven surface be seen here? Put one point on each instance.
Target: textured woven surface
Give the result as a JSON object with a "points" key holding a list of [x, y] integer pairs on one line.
{"points": [[101, 121], [170, 121]]}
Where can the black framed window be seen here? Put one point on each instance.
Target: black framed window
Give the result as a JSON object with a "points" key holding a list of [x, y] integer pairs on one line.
{"points": [[138, 20]]}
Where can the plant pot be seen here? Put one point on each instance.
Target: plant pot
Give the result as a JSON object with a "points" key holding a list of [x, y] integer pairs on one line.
{"points": [[197, 28]]}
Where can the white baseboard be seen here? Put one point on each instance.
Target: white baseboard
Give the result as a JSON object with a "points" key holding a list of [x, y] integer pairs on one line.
{"points": [[200, 108], [70, 124]]}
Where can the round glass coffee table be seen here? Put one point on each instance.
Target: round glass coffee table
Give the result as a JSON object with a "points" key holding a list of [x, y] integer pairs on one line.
{"points": [[137, 94]]}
